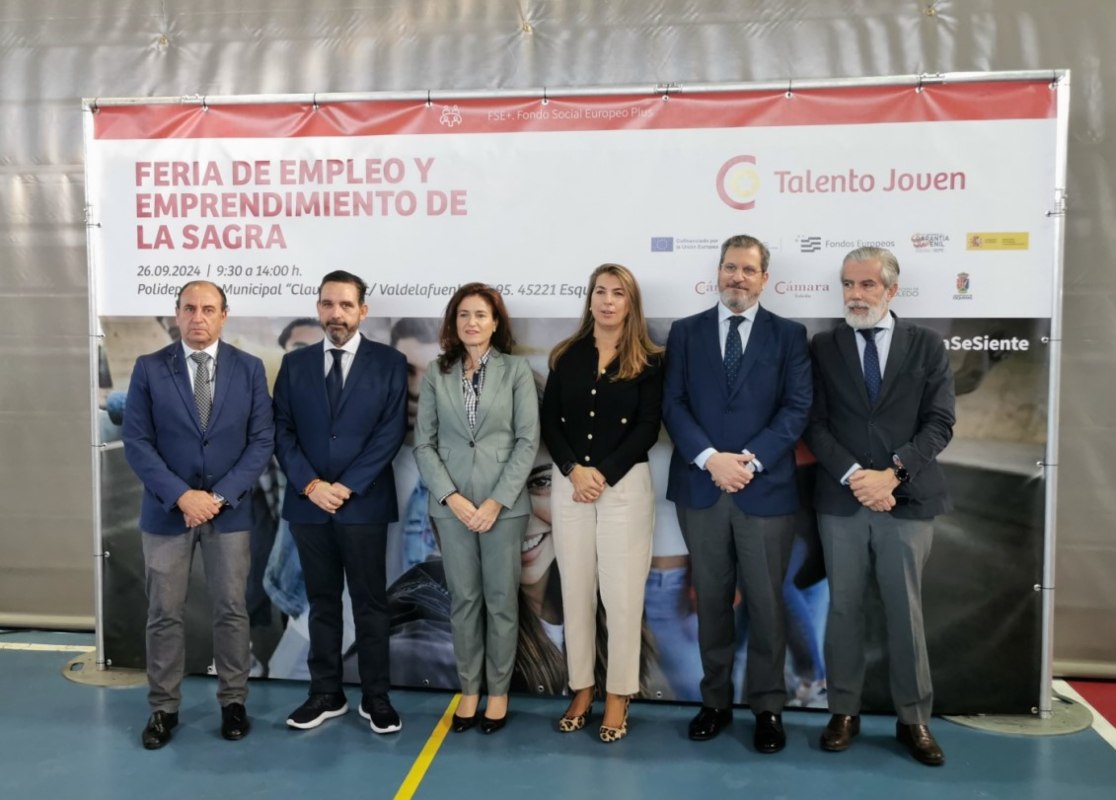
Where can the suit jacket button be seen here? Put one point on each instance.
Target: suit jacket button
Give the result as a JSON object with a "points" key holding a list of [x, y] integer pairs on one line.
{"points": [[472, 444]]}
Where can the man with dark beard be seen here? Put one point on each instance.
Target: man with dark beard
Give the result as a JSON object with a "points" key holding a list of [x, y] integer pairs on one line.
{"points": [[883, 411], [736, 399], [341, 414]]}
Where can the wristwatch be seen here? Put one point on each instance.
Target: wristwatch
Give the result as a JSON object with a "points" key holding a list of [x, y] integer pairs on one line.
{"points": [[900, 471], [220, 500], [567, 468]]}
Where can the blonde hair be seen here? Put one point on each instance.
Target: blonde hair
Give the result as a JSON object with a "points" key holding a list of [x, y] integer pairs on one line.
{"points": [[636, 347]]}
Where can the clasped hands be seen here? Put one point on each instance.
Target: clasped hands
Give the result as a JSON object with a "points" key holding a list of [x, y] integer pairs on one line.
{"points": [[730, 471], [873, 488], [477, 519], [588, 484], [198, 507], [329, 496]]}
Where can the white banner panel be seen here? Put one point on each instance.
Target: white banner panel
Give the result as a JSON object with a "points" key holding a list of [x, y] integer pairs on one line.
{"points": [[530, 196]]}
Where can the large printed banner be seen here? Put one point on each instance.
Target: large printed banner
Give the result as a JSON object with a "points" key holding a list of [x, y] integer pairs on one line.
{"points": [[530, 194]]}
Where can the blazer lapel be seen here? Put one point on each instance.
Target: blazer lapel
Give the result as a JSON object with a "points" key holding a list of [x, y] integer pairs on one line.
{"points": [[452, 381], [846, 346], [494, 375], [757, 341], [709, 337], [180, 374], [896, 356], [226, 363], [361, 362]]}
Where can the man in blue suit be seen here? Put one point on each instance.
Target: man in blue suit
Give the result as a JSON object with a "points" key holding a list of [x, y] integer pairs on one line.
{"points": [[341, 415], [736, 399], [198, 432]]}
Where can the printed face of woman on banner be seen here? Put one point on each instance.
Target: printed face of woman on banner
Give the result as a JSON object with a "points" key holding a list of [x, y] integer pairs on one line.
{"points": [[538, 545]]}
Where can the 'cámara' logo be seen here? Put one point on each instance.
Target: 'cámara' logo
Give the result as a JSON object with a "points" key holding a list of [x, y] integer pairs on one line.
{"points": [[738, 183]]}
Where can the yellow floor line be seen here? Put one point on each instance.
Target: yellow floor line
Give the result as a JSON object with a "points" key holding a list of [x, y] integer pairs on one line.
{"points": [[426, 757], [47, 648]]}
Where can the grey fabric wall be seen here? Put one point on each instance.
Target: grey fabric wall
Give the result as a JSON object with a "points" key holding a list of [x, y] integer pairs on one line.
{"points": [[54, 53]]}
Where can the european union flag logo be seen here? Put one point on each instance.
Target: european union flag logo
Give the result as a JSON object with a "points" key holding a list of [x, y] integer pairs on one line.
{"points": [[662, 244]]}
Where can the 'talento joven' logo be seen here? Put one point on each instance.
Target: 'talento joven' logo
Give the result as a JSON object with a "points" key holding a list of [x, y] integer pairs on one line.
{"points": [[738, 182]]}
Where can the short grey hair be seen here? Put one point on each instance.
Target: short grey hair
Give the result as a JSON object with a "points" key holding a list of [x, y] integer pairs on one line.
{"points": [[889, 264]]}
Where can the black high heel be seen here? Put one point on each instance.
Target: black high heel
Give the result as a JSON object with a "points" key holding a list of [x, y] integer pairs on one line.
{"points": [[489, 725], [461, 724]]}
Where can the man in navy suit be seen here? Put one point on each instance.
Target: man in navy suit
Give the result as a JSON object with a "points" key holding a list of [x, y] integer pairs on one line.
{"points": [[883, 410], [736, 399], [198, 432], [341, 415]]}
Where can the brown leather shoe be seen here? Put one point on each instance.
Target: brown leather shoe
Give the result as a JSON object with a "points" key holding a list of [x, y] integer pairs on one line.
{"points": [[838, 733], [921, 744]]}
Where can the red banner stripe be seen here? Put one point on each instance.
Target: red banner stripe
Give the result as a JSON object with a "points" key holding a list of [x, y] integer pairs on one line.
{"points": [[829, 106]]}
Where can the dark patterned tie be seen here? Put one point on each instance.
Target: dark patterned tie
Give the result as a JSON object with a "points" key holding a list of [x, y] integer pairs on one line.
{"points": [[334, 381], [203, 391], [733, 352], [872, 379]]}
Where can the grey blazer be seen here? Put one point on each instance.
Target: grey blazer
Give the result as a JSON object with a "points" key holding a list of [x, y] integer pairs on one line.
{"points": [[495, 459]]}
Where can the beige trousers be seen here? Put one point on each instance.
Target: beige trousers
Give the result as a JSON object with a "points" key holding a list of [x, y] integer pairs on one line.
{"points": [[604, 545]]}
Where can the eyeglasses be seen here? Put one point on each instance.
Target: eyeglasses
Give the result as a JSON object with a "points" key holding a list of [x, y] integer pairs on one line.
{"points": [[747, 272]]}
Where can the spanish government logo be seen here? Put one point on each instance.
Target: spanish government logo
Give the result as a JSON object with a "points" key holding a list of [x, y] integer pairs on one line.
{"points": [[998, 240], [738, 183]]}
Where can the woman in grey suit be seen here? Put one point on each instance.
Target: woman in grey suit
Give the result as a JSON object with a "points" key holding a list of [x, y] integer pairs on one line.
{"points": [[476, 435]]}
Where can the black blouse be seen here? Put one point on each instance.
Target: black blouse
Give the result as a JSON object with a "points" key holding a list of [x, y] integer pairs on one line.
{"points": [[596, 421]]}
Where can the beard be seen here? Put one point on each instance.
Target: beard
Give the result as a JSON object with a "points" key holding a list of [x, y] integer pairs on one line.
{"points": [[868, 320], [338, 332], [738, 299]]}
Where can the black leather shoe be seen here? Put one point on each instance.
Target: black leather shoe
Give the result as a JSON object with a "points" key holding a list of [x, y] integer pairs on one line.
{"points": [[234, 721], [770, 736], [158, 730], [838, 733], [920, 742], [462, 724], [492, 725], [709, 722]]}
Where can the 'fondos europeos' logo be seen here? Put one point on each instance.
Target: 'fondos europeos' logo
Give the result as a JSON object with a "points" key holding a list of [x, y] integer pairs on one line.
{"points": [[738, 182]]}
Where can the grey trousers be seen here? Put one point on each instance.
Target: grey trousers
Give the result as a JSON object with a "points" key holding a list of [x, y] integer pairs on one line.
{"points": [[482, 573], [895, 550], [167, 561], [725, 543]]}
